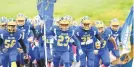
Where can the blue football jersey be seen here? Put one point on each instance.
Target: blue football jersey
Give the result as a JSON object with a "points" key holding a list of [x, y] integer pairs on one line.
{"points": [[87, 38], [73, 27], [11, 40], [1, 31], [40, 30], [105, 35], [116, 35], [25, 31], [62, 39]]}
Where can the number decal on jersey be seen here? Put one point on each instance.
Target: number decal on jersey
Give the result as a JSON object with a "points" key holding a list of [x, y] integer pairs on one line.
{"points": [[98, 45], [9, 43], [43, 38], [104, 44], [47, 40], [86, 40], [61, 39]]}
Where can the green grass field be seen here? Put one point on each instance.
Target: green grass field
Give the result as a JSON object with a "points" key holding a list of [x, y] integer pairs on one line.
{"points": [[103, 10]]}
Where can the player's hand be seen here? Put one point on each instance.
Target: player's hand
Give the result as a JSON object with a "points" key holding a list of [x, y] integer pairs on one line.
{"points": [[20, 50], [4, 50], [96, 52], [116, 48], [74, 58], [26, 58], [35, 61], [36, 43], [30, 39], [80, 51]]}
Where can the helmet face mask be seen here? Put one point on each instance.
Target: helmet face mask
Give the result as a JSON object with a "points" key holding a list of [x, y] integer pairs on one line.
{"points": [[64, 25], [100, 29], [36, 22], [3, 22], [100, 26], [2, 25], [11, 27], [115, 27], [20, 22], [115, 24], [20, 19], [86, 24]]}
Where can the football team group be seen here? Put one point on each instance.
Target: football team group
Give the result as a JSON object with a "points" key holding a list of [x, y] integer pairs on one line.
{"points": [[25, 42]]}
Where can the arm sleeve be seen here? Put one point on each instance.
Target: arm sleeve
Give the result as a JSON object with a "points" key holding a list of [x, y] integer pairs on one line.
{"points": [[22, 45], [1, 41], [112, 41], [39, 35], [33, 30], [76, 41], [98, 36]]}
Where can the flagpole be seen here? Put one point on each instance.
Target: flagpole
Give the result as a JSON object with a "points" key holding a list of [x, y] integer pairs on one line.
{"points": [[44, 21], [45, 44]]}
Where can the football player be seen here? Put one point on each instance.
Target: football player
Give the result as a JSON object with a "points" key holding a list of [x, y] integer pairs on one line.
{"points": [[116, 33], [3, 22], [102, 53], [128, 59], [73, 26], [39, 44], [86, 34], [63, 35], [9, 40], [25, 27]]}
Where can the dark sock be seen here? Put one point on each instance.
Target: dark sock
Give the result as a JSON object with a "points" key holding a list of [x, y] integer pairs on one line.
{"points": [[18, 64]]}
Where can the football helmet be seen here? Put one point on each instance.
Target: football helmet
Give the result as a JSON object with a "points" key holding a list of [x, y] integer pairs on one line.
{"points": [[3, 22], [100, 26], [64, 23], [115, 24], [20, 19], [11, 26], [70, 18], [36, 22], [86, 23]]}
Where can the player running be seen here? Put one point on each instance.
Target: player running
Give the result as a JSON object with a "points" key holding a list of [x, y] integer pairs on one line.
{"points": [[9, 40], [86, 34], [63, 36], [102, 53]]}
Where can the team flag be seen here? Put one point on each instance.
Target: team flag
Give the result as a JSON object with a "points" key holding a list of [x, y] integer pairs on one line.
{"points": [[126, 32], [46, 10]]}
